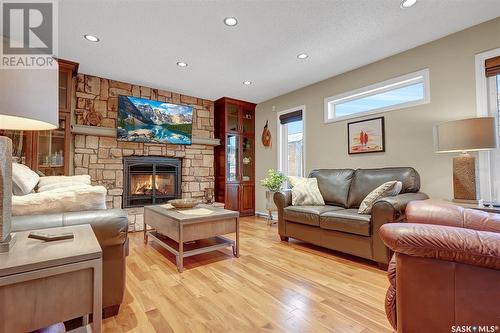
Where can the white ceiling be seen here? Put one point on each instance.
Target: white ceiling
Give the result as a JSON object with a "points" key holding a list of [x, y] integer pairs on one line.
{"points": [[141, 40]]}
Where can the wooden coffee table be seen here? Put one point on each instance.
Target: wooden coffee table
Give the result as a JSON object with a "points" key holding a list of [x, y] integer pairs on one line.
{"points": [[186, 234]]}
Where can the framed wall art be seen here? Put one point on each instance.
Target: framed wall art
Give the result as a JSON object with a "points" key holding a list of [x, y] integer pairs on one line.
{"points": [[366, 136]]}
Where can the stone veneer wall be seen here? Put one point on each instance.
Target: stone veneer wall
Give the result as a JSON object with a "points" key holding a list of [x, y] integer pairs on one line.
{"points": [[101, 157]]}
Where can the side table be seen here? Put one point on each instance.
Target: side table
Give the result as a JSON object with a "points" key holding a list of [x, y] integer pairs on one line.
{"points": [[42, 283], [478, 206]]}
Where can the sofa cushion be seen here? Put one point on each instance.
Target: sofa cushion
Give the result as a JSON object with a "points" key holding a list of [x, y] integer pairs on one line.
{"points": [[334, 185], [346, 220], [74, 198], [366, 180], [52, 182], [306, 214]]}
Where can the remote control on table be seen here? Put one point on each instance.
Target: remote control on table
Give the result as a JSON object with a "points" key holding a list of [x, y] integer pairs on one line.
{"points": [[50, 237]]}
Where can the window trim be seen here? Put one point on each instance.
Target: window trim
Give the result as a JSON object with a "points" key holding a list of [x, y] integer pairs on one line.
{"points": [[279, 130], [377, 88], [482, 110]]}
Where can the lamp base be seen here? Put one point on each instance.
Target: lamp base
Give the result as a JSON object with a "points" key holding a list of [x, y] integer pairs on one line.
{"points": [[465, 183], [5, 192], [7, 244]]}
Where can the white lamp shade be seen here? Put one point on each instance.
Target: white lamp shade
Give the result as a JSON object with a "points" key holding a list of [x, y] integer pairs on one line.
{"points": [[471, 134], [29, 99]]}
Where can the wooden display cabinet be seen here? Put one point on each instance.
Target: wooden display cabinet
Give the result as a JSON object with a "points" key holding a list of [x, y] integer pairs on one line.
{"points": [[49, 151], [235, 157]]}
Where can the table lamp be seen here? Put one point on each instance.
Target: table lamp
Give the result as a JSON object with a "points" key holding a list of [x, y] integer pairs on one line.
{"points": [[464, 136], [28, 101]]}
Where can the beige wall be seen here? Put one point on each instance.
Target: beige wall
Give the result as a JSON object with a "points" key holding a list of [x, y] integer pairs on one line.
{"points": [[409, 139]]}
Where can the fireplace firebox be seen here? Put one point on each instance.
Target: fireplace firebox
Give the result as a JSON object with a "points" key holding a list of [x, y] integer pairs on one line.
{"points": [[150, 180]]}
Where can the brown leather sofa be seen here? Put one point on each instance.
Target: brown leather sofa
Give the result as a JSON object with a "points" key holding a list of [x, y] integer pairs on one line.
{"points": [[110, 227], [337, 225], [446, 269]]}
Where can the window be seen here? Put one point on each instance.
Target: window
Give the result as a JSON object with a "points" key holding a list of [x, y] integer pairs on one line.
{"points": [[494, 110], [404, 91], [488, 105], [291, 142]]}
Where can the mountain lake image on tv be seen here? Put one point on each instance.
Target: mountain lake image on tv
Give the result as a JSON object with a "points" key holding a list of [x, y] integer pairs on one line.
{"points": [[144, 120]]}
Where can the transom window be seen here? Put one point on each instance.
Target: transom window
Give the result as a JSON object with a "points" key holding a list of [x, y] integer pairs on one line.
{"points": [[401, 92]]}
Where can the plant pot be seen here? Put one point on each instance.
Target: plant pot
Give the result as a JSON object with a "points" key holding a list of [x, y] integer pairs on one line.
{"points": [[270, 205]]}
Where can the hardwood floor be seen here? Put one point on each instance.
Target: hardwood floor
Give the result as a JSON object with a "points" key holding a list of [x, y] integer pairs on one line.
{"points": [[273, 287]]}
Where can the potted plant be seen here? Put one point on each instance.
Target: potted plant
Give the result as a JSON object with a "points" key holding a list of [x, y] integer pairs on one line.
{"points": [[273, 184]]}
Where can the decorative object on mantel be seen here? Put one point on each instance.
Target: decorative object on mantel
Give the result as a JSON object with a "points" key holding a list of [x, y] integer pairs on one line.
{"points": [[209, 196], [92, 118], [366, 136], [465, 135], [266, 136], [273, 183], [38, 112]]}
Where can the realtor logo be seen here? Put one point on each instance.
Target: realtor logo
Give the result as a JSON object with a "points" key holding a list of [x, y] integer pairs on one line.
{"points": [[28, 34]]}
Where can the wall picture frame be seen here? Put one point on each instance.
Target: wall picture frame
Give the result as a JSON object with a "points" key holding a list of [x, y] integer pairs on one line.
{"points": [[366, 136]]}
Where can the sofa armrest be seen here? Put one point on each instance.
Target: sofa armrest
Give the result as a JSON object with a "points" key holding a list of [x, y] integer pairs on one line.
{"points": [[282, 199], [398, 203], [110, 226], [389, 210], [467, 246]]}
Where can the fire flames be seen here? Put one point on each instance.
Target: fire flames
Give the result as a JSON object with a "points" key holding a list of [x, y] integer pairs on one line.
{"points": [[143, 185]]}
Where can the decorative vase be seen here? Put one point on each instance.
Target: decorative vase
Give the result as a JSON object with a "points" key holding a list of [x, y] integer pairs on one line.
{"points": [[270, 205]]}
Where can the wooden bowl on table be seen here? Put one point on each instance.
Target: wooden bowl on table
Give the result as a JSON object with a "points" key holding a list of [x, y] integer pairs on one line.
{"points": [[184, 203]]}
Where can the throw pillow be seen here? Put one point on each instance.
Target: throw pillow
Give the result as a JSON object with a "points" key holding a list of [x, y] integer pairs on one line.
{"points": [[388, 189], [305, 192], [24, 179]]}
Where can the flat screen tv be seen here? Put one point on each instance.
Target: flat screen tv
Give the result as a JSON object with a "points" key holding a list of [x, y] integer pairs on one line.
{"points": [[144, 120]]}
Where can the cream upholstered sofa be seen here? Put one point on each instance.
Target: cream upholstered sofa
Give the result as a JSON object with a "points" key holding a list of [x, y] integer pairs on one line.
{"points": [[49, 202]]}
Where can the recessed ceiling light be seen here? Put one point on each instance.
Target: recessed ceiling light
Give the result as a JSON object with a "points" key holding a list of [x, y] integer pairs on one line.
{"points": [[407, 3], [230, 21], [247, 83], [181, 64], [91, 38], [302, 55]]}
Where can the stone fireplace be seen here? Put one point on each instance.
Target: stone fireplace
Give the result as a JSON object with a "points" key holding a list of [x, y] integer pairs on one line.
{"points": [[149, 180], [98, 153]]}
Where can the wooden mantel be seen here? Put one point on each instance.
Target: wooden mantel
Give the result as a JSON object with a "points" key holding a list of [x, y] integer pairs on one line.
{"points": [[111, 132]]}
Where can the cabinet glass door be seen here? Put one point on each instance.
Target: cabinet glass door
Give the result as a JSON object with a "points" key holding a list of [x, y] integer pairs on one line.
{"points": [[232, 150], [232, 118], [21, 146], [63, 91], [248, 121], [247, 159], [51, 151]]}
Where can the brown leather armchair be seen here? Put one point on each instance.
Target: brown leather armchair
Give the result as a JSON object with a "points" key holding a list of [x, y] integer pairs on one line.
{"points": [[445, 271]]}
